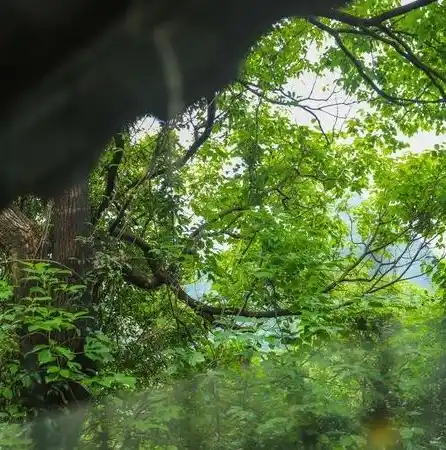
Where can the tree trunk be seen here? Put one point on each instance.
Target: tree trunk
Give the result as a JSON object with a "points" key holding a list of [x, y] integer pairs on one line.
{"points": [[19, 239], [72, 215], [22, 239]]}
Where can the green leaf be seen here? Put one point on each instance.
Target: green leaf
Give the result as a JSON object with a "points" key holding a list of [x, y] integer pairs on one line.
{"points": [[45, 356]]}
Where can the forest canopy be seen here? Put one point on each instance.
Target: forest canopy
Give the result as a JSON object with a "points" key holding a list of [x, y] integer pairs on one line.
{"points": [[265, 270]]}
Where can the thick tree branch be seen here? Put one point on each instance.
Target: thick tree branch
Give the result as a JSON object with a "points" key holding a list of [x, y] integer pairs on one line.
{"points": [[112, 172], [151, 257], [161, 143], [407, 53], [208, 310], [163, 277], [203, 137], [349, 19], [141, 280]]}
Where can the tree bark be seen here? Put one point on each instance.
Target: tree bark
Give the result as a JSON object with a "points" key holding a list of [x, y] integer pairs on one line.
{"points": [[21, 238], [72, 215]]}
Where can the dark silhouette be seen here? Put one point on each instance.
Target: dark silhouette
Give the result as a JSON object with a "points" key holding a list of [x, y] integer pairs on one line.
{"points": [[75, 71]]}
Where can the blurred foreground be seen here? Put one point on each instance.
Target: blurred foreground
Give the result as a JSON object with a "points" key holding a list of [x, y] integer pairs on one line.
{"points": [[380, 393]]}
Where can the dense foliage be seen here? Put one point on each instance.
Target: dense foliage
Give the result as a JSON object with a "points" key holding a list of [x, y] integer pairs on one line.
{"points": [[264, 271]]}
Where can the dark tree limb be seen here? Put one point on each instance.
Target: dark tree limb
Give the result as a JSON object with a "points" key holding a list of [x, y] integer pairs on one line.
{"points": [[66, 92], [111, 176], [140, 279], [349, 19], [152, 172], [163, 277], [200, 140]]}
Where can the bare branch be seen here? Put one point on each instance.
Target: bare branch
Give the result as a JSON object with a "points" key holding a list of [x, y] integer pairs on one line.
{"points": [[368, 252]]}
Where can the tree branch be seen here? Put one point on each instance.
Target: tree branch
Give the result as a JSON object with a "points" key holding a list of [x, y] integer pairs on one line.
{"points": [[152, 172], [349, 19], [162, 277], [219, 216], [208, 310], [368, 251], [141, 280], [402, 48], [361, 70], [210, 121], [151, 257], [112, 172]]}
